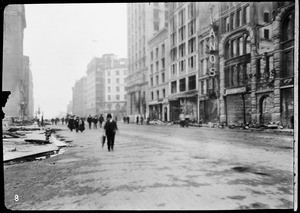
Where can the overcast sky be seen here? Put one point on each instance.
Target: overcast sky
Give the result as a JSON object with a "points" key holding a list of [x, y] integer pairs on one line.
{"points": [[61, 40]]}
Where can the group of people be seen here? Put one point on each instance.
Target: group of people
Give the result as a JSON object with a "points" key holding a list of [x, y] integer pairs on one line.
{"points": [[76, 123], [95, 120], [138, 120]]}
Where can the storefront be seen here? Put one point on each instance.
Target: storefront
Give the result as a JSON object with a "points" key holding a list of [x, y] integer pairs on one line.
{"points": [[158, 109], [208, 110]]}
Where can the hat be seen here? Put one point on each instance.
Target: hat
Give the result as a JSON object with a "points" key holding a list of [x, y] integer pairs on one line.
{"points": [[108, 115]]}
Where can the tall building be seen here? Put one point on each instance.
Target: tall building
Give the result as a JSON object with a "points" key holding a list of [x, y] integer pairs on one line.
{"points": [[144, 20], [70, 108], [95, 86], [208, 60], [26, 89], [14, 25], [183, 66], [256, 51], [158, 75], [79, 97], [115, 94]]}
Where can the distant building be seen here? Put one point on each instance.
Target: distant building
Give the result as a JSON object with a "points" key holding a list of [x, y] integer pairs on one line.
{"points": [[80, 98], [70, 108], [27, 108], [13, 81], [158, 75], [115, 94], [144, 20], [95, 87]]}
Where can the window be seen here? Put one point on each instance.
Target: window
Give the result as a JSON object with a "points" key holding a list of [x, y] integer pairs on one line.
{"points": [[156, 14], [164, 93], [108, 73], [108, 97], [288, 28], [238, 18], [157, 66], [192, 27], [163, 49], [117, 80], [174, 87], [182, 65], [152, 96], [266, 17], [157, 94], [201, 49], [233, 48], [151, 55], [163, 63], [156, 55], [118, 89], [181, 17], [192, 45], [202, 87], [108, 81], [151, 80], [266, 33], [232, 21], [157, 80], [182, 50], [151, 68], [246, 14], [117, 97], [156, 25], [173, 39], [163, 77], [226, 22], [192, 82], [108, 89], [192, 62], [174, 69], [182, 85], [182, 33], [173, 54], [247, 41], [288, 58], [192, 10]]}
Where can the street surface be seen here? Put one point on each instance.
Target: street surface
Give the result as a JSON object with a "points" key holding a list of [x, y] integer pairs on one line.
{"points": [[158, 167]]}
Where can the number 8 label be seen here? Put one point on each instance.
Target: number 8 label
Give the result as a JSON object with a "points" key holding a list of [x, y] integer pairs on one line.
{"points": [[16, 198]]}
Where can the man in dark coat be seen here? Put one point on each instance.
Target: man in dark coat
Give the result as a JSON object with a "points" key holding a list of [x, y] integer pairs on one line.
{"points": [[95, 121], [101, 119], [71, 123], [110, 129], [81, 125], [128, 119], [142, 120], [89, 120], [77, 124], [137, 120]]}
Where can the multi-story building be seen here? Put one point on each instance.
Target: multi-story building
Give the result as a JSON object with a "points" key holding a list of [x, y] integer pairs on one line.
{"points": [[79, 97], [115, 94], [95, 86], [208, 62], [70, 108], [183, 66], [14, 25], [158, 75], [256, 62], [144, 20]]}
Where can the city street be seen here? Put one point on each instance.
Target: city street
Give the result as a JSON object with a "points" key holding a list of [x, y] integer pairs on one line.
{"points": [[158, 167]]}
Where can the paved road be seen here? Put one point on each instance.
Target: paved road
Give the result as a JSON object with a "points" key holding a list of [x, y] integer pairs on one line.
{"points": [[159, 167]]}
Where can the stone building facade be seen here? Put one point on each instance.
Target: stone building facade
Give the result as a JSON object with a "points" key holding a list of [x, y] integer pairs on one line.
{"points": [[158, 85], [79, 100]]}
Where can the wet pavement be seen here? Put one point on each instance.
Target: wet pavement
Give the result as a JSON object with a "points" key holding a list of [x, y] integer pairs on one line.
{"points": [[158, 167]]}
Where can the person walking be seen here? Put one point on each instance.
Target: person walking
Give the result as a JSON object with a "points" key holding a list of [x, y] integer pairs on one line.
{"points": [[142, 120], [89, 120], [81, 125], [124, 119], [77, 124], [95, 121], [110, 129], [128, 119], [71, 123], [137, 120], [101, 119], [62, 121]]}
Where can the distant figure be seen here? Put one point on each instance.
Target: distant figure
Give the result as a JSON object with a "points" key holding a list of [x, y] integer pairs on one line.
{"points": [[52, 121], [66, 120], [89, 120], [124, 119], [142, 120], [95, 121], [71, 123], [137, 120], [110, 129], [81, 125], [62, 121], [77, 124], [128, 119], [101, 120]]}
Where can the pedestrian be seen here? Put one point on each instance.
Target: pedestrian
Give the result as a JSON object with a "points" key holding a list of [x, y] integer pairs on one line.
{"points": [[81, 125], [142, 120], [110, 129], [89, 120], [95, 121], [62, 121], [128, 119], [101, 119], [66, 120], [137, 120], [52, 121], [77, 124], [124, 119], [71, 123]]}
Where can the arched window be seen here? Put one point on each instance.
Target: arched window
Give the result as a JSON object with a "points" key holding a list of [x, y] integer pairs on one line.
{"points": [[288, 27]]}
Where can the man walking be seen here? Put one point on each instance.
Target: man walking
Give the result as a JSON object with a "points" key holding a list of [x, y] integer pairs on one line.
{"points": [[89, 120], [110, 129], [101, 119]]}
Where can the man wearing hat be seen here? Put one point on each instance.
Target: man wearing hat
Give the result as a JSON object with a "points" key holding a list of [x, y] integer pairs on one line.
{"points": [[110, 129]]}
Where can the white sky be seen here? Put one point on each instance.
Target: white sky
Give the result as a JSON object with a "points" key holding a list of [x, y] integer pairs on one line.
{"points": [[59, 41]]}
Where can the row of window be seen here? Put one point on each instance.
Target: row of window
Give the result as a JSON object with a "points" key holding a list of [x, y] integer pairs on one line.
{"points": [[117, 97], [182, 65], [182, 15], [117, 89], [163, 65], [182, 49], [236, 19], [109, 80], [116, 71], [157, 94], [208, 85], [182, 84], [237, 75], [237, 46], [157, 79], [157, 52]]}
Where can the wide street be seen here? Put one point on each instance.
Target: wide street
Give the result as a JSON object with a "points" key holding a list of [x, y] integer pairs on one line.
{"points": [[158, 167]]}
